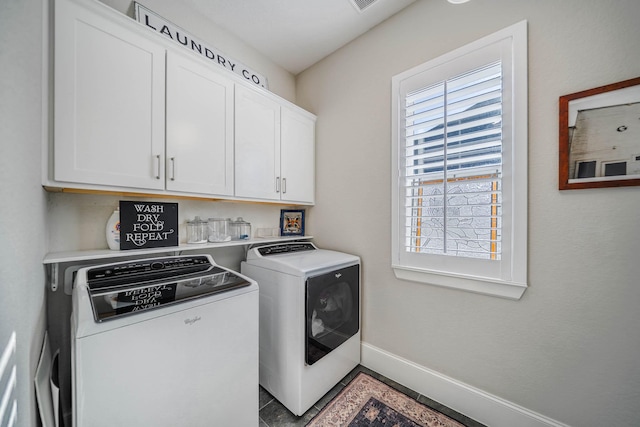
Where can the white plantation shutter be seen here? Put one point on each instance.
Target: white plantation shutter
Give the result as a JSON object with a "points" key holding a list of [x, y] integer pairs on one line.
{"points": [[453, 165], [460, 167]]}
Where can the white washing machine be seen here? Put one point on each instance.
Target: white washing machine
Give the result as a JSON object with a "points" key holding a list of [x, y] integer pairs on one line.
{"points": [[309, 319], [164, 342]]}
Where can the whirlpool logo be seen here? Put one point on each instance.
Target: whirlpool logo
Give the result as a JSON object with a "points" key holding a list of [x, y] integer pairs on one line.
{"points": [[192, 320]]}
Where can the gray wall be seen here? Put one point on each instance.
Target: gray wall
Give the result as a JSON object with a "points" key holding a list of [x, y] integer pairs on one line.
{"points": [[569, 348], [23, 209]]}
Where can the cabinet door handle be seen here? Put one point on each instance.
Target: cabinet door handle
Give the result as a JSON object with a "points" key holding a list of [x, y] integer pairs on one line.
{"points": [[284, 185], [157, 171], [173, 169], [277, 184]]}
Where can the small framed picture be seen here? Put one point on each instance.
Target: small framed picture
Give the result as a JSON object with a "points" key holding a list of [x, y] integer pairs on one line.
{"points": [[291, 222]]}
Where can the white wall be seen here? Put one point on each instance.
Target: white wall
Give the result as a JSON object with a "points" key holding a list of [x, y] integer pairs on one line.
{"points": [[23, 208], [569, 349]]}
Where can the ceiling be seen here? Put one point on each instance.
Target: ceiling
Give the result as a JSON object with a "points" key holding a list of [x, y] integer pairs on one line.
{"points": [[296, 34]]}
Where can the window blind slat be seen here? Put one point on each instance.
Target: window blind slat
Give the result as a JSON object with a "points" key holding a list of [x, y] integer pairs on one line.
{"points": [[469, 104], [454, 166], [479, 147], [477, 75], [424, 94], [435, 176], [484, 109], [469, 96], [420, 130], [486, 134], [466, 128], [453, 162], [430, 107]]}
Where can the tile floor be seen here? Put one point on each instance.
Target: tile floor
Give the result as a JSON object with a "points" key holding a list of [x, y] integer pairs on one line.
{"points": [[274, 414]]}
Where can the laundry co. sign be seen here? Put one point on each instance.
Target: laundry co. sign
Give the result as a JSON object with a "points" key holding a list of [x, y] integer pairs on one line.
{"points": [[160, 25]]}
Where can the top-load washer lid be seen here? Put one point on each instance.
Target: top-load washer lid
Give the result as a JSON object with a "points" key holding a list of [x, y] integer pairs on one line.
{"points": [[298, 258], [132, 287]]}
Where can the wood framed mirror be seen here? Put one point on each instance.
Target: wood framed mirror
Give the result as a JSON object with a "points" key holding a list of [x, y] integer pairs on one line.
{"points": [[600, 137]]}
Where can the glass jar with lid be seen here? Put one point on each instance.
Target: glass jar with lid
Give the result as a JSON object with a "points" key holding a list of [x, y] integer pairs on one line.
{"points": [[219, 229], [197, 231], [240, 229]]}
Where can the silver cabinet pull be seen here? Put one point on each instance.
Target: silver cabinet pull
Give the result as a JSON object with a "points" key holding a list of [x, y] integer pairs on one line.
{"points": [[284, 185], [277, 184], [173, 169], [157, 166]]}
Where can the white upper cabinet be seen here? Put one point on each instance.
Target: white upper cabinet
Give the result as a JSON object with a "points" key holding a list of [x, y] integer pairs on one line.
{"points": [[297, 155], [199, 128], [274, 149], [257, 145], [109, 102], [134, 113]]}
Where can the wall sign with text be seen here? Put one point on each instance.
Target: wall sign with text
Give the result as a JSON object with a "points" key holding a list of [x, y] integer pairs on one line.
{"points": [[155, 22], [148, 225]]}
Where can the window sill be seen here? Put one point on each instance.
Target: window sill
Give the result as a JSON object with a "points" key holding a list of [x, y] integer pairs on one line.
{"points": [[479, 285]]}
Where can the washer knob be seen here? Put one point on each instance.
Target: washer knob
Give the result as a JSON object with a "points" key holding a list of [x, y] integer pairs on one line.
{"points": [[157, 265]]}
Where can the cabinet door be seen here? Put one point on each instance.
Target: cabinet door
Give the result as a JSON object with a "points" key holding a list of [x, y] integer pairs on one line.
{"points": [[199, 128], [109, 102], [257, 148], [297, 154]]}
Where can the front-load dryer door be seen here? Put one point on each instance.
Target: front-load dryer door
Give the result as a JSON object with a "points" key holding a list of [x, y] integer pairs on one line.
{"points": [[332, 311]]}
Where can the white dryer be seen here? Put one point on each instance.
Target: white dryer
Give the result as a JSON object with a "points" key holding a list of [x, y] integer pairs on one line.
{"points": [[167, 341], [309, 319]]}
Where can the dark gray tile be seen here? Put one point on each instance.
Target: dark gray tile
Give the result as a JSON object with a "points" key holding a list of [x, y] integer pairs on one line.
{"points": [[330, 395], [355, 371], [435, 405], [264, 397], [275, 414]]}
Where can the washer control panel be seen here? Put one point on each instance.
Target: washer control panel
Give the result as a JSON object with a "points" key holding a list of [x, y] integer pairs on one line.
{"points": [[158, 268]]}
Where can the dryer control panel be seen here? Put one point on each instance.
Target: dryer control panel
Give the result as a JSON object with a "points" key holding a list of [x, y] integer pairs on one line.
{"points": [[285, 248]]}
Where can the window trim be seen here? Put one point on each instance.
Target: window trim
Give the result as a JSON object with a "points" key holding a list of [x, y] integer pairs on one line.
{"points": [[513, 283]]}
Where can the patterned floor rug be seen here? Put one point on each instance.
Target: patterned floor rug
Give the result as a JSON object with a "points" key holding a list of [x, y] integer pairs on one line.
{"points": [[368, 402]]}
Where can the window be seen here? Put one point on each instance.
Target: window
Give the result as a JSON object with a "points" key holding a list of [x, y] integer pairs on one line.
{"points": [[615, 168], [586, 169], [8, 382], [460, 168]]}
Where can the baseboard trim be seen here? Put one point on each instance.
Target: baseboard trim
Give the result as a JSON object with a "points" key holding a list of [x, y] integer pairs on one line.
{"points": [[477, 404]]}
